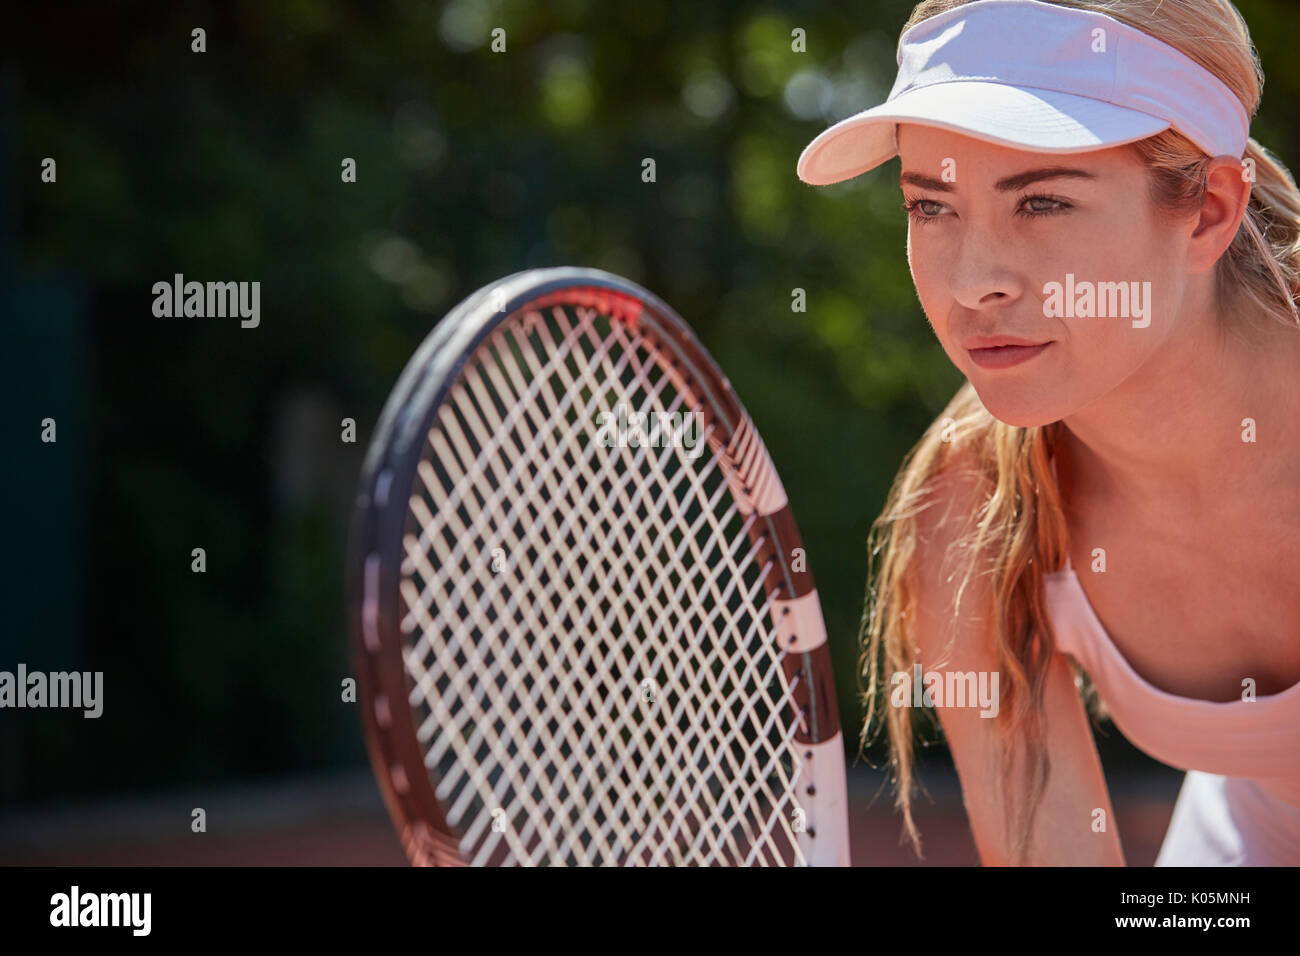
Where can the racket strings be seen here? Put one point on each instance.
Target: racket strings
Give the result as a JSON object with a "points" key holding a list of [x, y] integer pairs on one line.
{"points": [[592, 646], [539, 685], [493, 446], [424, 518]]}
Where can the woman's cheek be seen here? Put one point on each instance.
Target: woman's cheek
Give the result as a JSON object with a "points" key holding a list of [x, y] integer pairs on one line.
{"points": [[918, 261]]}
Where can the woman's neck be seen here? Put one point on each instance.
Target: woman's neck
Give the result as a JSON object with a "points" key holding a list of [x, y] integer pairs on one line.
{"points": [[1173, 444]]}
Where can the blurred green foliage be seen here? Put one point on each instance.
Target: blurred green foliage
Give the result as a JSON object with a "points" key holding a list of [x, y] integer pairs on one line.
{"points": [[472, 165]]}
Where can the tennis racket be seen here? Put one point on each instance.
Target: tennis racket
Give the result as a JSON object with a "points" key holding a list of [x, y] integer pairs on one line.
{"points": [[580, 615]]}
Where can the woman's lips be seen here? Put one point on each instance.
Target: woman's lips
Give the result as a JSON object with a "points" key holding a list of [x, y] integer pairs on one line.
{"points": [[1005, 356]]}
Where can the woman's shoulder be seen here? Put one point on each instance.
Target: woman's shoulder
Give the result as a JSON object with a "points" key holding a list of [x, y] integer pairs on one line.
{"points": [[953, 497]]}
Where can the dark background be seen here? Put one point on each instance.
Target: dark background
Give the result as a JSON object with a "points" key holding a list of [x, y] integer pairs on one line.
{"points": [[179, 433]]}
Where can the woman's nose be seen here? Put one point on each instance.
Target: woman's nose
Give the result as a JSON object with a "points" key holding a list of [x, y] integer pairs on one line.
{"points": [[981, 275]]}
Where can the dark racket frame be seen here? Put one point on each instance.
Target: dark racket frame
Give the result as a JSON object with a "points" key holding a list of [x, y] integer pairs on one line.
{"points": [[807, 823]]}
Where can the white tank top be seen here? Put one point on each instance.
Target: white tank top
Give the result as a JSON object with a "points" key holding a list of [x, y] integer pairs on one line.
{"points": [[1240, 801]]}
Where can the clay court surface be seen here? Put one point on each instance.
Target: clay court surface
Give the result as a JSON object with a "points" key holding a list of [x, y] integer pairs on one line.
{"points": [[340, 821]]}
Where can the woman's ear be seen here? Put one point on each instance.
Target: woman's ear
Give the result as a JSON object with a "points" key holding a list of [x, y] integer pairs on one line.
{"points": [[1227, 193]]}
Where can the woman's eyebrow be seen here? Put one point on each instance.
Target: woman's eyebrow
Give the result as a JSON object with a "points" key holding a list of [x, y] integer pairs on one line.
{"points": [[1009, 184], [1021, 180]]}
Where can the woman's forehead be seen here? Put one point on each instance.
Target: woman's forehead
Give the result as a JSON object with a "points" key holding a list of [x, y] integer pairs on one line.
{"points": [[931, 146]]}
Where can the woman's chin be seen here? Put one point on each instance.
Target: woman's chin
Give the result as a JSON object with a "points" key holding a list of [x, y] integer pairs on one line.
{"points": [[1019, 410]]}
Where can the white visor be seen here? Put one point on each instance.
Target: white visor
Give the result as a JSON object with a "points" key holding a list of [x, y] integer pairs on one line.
{"points": [[1035, 76]]}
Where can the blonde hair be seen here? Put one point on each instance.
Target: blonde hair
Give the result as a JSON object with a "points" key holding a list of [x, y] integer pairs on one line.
{"points": [[1020, 532]]}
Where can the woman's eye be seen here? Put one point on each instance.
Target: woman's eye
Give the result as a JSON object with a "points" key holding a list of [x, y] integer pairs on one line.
{"points": [[927, 210], [1042, 206], [923, 209]]}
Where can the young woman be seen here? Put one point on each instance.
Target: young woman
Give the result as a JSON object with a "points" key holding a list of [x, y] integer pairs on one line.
{"points": [[1108, 512]]}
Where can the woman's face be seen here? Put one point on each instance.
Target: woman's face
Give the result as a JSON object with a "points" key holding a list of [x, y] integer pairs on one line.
{"points": [[1033, 247]]}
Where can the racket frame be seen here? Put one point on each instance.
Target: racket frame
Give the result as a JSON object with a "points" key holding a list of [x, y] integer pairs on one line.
{"points": [[379, 523]]}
